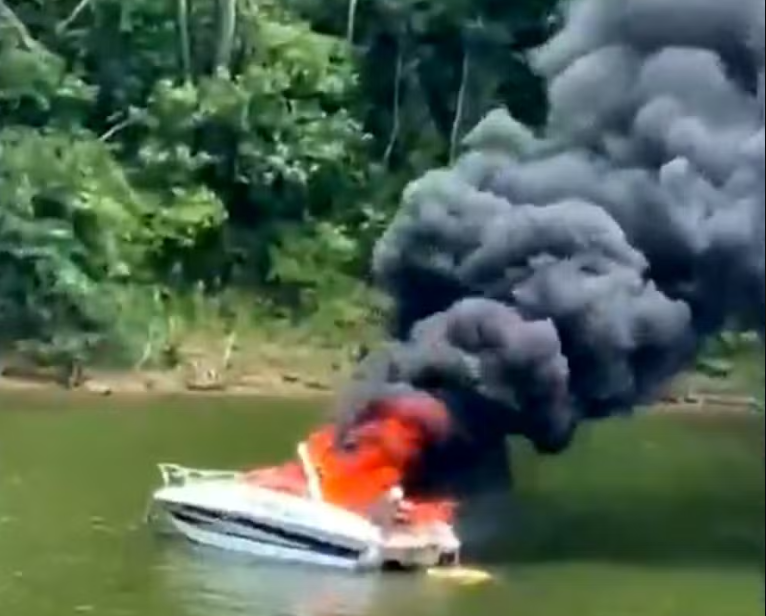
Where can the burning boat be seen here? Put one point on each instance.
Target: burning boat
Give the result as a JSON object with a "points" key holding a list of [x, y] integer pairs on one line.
{"points": [[336, 505]]}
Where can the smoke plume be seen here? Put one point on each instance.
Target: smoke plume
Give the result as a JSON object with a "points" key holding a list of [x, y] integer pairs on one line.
{"points": [[543, 280]]}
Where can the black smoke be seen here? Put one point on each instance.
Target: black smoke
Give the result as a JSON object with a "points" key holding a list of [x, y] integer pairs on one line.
{"points": [[543, 280]]}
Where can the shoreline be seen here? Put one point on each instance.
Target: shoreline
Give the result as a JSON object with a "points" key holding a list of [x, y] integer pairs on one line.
{"points": [[256, 366], [298, 367], [688, 395], [149, 385], [269, 382]]}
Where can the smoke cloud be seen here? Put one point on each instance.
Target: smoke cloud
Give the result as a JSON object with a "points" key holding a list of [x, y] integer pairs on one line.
{"points": [[543, 280]]}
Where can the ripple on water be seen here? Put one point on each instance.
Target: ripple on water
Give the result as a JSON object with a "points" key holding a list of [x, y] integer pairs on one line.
{"points": [[227, 585]]}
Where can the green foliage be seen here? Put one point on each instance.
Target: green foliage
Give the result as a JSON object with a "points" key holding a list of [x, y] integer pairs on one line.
{"points": [[415, 54], [68, 223], [168, 164], [313, 270], [152, 148], [738, 357]]}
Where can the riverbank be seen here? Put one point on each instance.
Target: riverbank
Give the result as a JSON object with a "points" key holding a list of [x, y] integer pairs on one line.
{"points": [[256, 354], [228, 344], [250, 367], [261, 366]]}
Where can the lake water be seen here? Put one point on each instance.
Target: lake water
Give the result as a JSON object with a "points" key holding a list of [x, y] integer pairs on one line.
{"points": [[653, 516]]}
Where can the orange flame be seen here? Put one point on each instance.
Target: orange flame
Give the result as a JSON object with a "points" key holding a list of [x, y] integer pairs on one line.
{"points": [[385, 446]]}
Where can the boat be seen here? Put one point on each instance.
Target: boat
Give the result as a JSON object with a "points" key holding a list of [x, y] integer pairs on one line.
{"points": [[281, 513]]}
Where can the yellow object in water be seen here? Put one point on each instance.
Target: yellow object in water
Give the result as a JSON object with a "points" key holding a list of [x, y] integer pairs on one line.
{"points": [[461, 575]]}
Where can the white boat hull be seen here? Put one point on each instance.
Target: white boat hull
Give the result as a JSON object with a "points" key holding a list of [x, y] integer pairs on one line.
{"points": [[260, 549], [217, 510]]}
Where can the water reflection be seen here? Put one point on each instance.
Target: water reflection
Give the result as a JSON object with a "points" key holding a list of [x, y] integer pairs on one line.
{"points": [[207, 582], [659, 516]]}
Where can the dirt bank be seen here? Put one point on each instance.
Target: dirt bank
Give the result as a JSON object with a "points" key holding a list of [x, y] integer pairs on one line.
{"points": [[271, 370], [299, 371], [275, 382]]}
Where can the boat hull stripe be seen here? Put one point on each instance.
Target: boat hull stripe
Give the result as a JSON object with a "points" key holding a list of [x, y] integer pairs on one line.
{"points": [[276, 536]]}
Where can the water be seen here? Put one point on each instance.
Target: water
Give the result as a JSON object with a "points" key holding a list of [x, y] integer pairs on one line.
{"points": [[659, 516]]}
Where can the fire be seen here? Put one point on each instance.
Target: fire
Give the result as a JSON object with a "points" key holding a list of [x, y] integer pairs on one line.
{"points": [[383, 448]]}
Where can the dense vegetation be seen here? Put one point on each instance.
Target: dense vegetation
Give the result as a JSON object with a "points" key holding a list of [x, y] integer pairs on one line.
{"points": [[161, 155], [227, 161]]}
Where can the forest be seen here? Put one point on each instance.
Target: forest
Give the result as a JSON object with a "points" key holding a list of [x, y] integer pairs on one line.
{"points": [[226, 158], [172, 165]]}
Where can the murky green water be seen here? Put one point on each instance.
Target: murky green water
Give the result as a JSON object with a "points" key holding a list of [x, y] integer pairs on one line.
{"points": [[661, 516]]}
